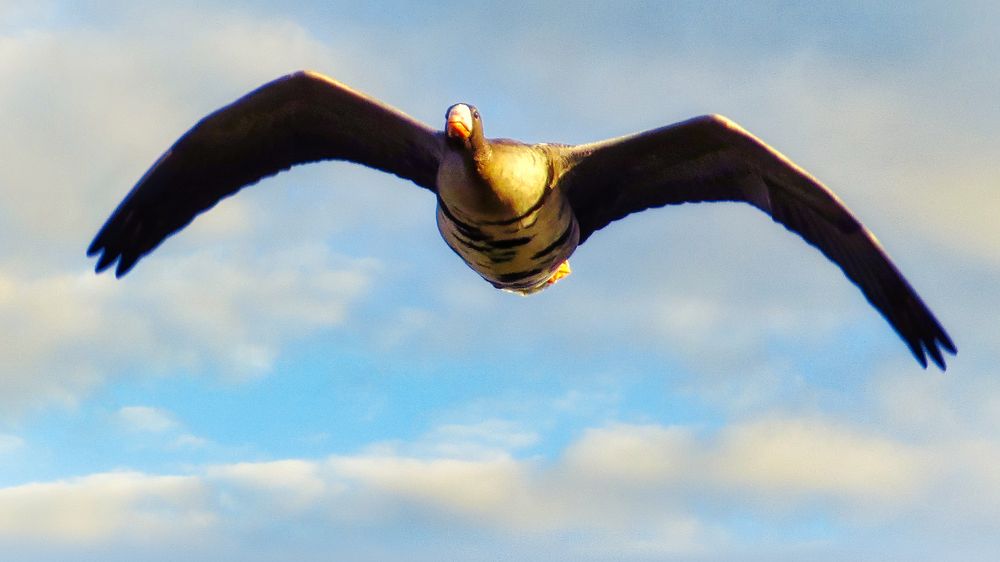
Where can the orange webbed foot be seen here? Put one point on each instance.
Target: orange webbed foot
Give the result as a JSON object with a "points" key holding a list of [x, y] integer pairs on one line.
{"points": [[563, 271]]}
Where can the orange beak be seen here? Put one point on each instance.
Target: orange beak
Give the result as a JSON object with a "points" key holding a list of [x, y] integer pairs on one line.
{"points": [[456, 128]]}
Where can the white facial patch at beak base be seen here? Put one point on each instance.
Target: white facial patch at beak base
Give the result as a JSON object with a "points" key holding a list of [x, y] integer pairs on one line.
{"points": [[459, 121]]}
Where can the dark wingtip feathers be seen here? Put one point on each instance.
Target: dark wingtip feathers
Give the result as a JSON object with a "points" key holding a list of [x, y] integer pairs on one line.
{"points": [[99, 248], [946, 343], [93, 249], [103, 263], [932, 347], [941, 342], [109, 258], [125, 264], [936, 356]]}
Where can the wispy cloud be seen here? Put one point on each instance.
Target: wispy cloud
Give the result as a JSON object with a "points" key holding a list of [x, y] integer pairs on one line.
{"points": [[146, 419]]}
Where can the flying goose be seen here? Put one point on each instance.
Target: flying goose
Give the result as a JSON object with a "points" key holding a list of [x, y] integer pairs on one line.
{"points": [[513, 212]]}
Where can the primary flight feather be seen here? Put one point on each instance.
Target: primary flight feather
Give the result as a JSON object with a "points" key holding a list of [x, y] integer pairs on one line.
{"points": [[514, 212]]}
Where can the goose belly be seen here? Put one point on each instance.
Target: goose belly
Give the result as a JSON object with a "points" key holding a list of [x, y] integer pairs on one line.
{"points": [[519, 254]]}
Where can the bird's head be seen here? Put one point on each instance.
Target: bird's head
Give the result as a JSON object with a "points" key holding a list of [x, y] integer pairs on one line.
{"points": [[463, 124]]}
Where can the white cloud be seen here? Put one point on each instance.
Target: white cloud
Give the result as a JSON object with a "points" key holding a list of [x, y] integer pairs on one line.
{"points": [[69, 333], [802, 458], [485, 488], [189, 441], [157, 427], [10, 443], [479, 440], [101, 507], [770, 467], [146, 419], [645, 456], [269, 487]]}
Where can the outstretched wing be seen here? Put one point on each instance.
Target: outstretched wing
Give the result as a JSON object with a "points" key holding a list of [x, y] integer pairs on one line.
{"points": [[299, 118], [713, 159]]}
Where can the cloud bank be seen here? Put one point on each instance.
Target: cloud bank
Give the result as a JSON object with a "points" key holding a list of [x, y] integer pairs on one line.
{"points": [[635, 490]]}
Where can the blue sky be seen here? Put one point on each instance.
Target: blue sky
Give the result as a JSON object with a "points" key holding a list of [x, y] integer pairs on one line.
{"points": [[308, 372]]}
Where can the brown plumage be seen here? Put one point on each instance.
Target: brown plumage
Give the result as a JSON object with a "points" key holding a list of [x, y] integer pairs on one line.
{"points": [[514, 212]]}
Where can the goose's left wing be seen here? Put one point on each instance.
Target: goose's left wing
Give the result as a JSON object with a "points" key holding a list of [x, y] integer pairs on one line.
{"points": [[299, 118], [712, 159]]}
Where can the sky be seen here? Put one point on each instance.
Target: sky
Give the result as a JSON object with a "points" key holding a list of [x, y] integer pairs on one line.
{"points": [[308, 372]]}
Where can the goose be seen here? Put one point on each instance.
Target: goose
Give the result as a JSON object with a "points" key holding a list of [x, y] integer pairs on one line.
{"points": [[514, 212]]}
